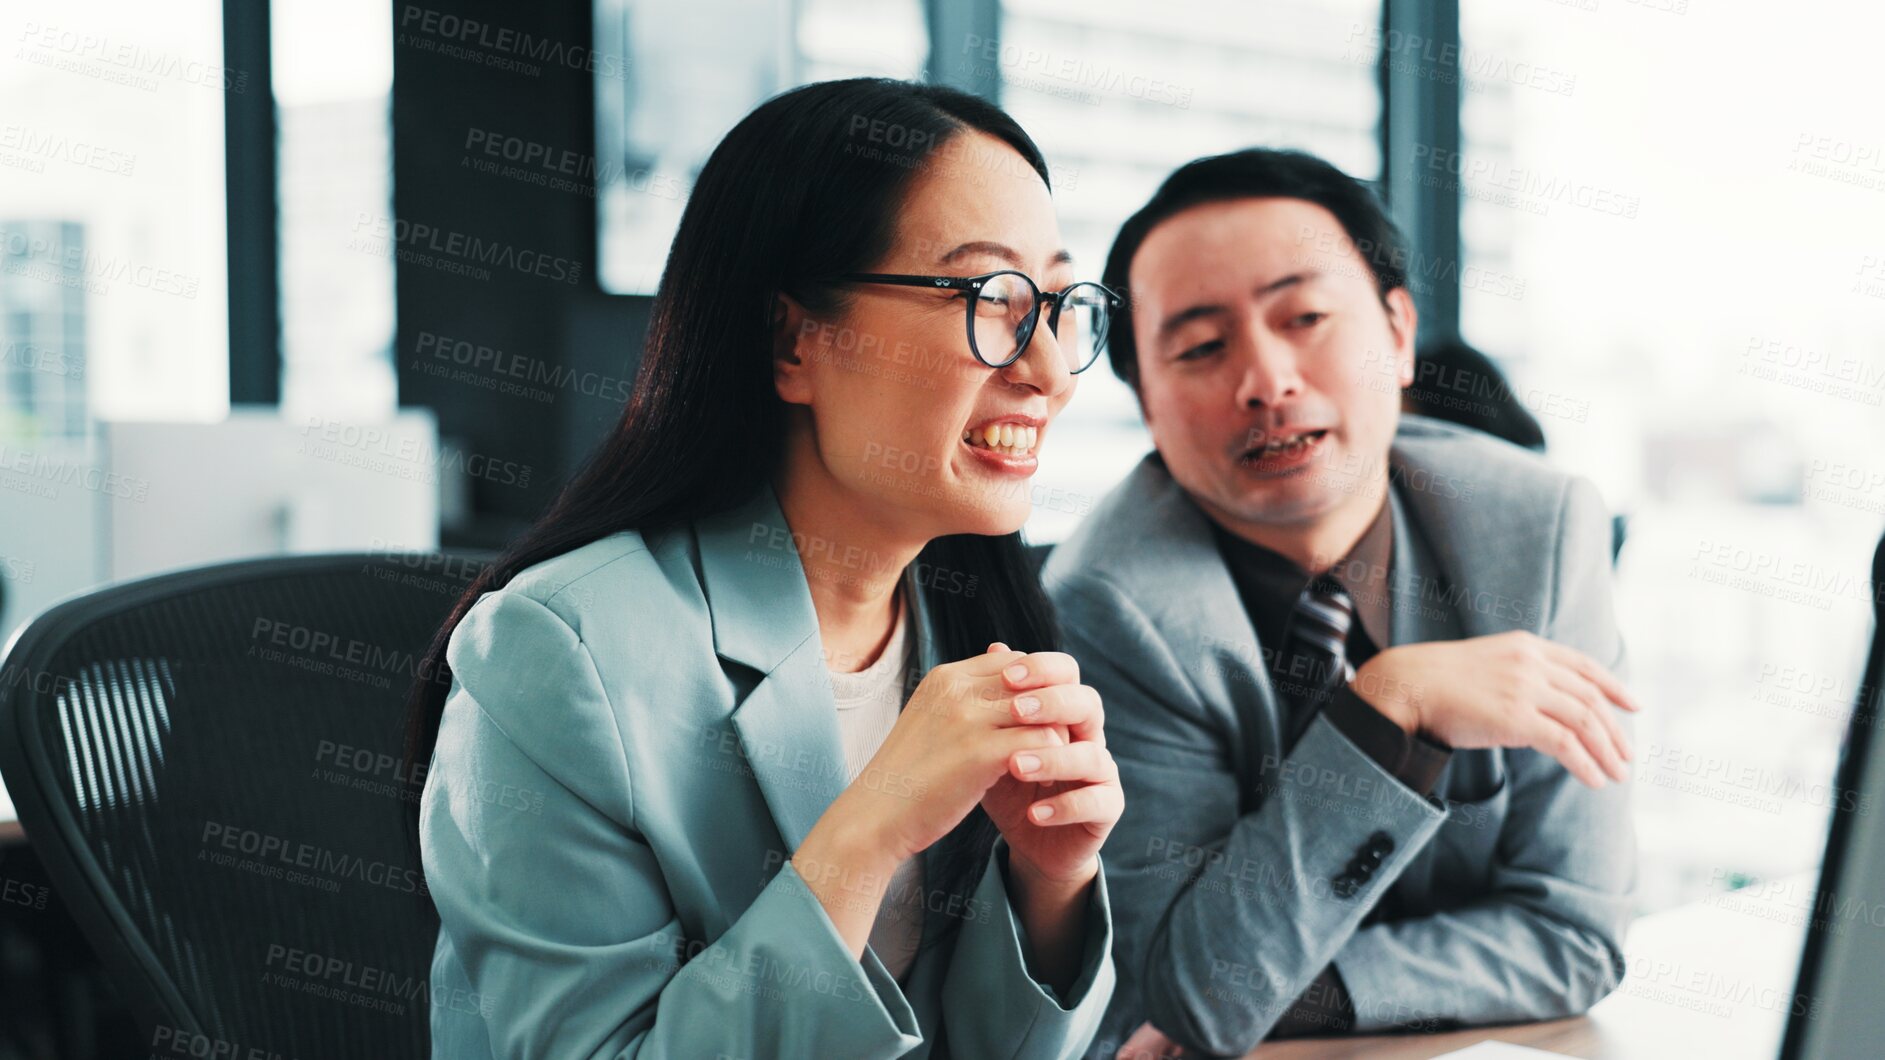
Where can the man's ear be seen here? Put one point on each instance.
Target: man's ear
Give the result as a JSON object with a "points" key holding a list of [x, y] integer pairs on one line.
{"points": [[1403, 323], [790, 346]]}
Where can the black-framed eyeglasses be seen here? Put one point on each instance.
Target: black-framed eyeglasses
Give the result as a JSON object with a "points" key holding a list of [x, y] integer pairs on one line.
{"points": [[1004, 307]]}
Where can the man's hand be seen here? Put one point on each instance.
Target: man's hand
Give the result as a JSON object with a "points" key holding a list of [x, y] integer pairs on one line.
{"points": [[1507, 690], [1149, 1043]]}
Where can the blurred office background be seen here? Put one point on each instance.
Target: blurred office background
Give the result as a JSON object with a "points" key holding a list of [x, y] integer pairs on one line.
{"points": [[300, 275]]}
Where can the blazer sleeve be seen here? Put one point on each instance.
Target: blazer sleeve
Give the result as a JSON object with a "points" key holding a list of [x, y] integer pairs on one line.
{"points": [[1226, 914], [993, 1007], [1546, 939], [558, 913]]}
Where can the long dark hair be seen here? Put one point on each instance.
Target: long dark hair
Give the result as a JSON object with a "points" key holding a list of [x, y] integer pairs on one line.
{"points": [[807, 186]]}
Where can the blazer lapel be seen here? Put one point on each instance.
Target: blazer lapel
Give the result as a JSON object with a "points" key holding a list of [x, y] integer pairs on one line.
{"points": [[763, 618], [1422, 595], [788, 727], [1198, 601], [1168, 563]]}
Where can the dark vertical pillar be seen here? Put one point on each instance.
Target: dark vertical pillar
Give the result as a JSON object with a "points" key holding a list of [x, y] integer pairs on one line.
{"points": [[962, 33], [249, 179], [1420, 72]]}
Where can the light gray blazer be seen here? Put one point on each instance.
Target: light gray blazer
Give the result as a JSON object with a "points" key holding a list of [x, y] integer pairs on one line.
{"points": [[638, 734], [1510, 892]]}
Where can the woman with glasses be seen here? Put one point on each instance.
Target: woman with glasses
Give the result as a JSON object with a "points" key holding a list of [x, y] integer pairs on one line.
{"points": [[756, 744]]}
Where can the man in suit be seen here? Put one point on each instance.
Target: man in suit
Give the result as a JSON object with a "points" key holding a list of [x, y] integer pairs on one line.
{"points": [[1359, 668]]}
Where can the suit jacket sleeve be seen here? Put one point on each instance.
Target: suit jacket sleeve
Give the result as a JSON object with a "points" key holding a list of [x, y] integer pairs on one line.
{"points": [[1546, 940], [1228, 908], [559, 915], [993, 1007]]}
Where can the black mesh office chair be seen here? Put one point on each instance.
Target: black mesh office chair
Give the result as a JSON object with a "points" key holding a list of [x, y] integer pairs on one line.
{"points": [[207, 762]]}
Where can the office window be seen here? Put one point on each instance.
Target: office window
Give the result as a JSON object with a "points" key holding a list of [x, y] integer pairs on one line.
{"points": [[42, 334], [332, 74], [113, 294], [1120, 93], [1692, 204], [660, 109]]}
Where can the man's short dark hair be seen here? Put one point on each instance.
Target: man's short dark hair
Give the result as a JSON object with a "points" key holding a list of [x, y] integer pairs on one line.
{"points": [[1253, 173]]}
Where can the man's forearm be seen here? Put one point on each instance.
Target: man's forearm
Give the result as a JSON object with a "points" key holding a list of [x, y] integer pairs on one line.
{"points": [[1496, 961], [1322, 1008], [1244, 934]]}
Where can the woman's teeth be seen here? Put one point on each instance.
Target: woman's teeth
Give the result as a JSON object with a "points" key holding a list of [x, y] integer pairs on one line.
{"points": [[1010, 438]]}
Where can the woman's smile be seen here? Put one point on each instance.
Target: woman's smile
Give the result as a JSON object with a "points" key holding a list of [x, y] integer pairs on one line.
{"points": [[1007, 445]]}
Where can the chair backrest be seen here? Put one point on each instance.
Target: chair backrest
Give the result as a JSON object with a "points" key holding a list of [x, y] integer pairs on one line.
{"points": [[209, 765]]}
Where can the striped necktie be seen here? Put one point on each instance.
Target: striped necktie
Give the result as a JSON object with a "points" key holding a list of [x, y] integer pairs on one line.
{"points": [[1315, 655]]}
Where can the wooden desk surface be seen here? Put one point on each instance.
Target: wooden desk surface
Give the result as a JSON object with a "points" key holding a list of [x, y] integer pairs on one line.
{"points": [[1712, 979]]}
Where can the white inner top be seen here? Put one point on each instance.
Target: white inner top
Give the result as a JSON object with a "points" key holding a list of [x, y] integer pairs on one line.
{"points": [[868, 702]]}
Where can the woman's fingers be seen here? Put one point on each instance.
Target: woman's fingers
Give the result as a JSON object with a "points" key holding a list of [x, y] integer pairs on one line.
{"points": [[1097, 799], [1075, 706], [1041, 668], [1094, 804], [990, 662], [1080, 763], [1017, 738]]}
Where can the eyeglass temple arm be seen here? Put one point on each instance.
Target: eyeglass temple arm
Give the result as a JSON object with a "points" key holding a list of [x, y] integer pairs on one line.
{"points": [[954, 283]]}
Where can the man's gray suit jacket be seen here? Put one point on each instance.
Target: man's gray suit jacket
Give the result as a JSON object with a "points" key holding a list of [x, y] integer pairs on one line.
{"points": [[1238, 872]]}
